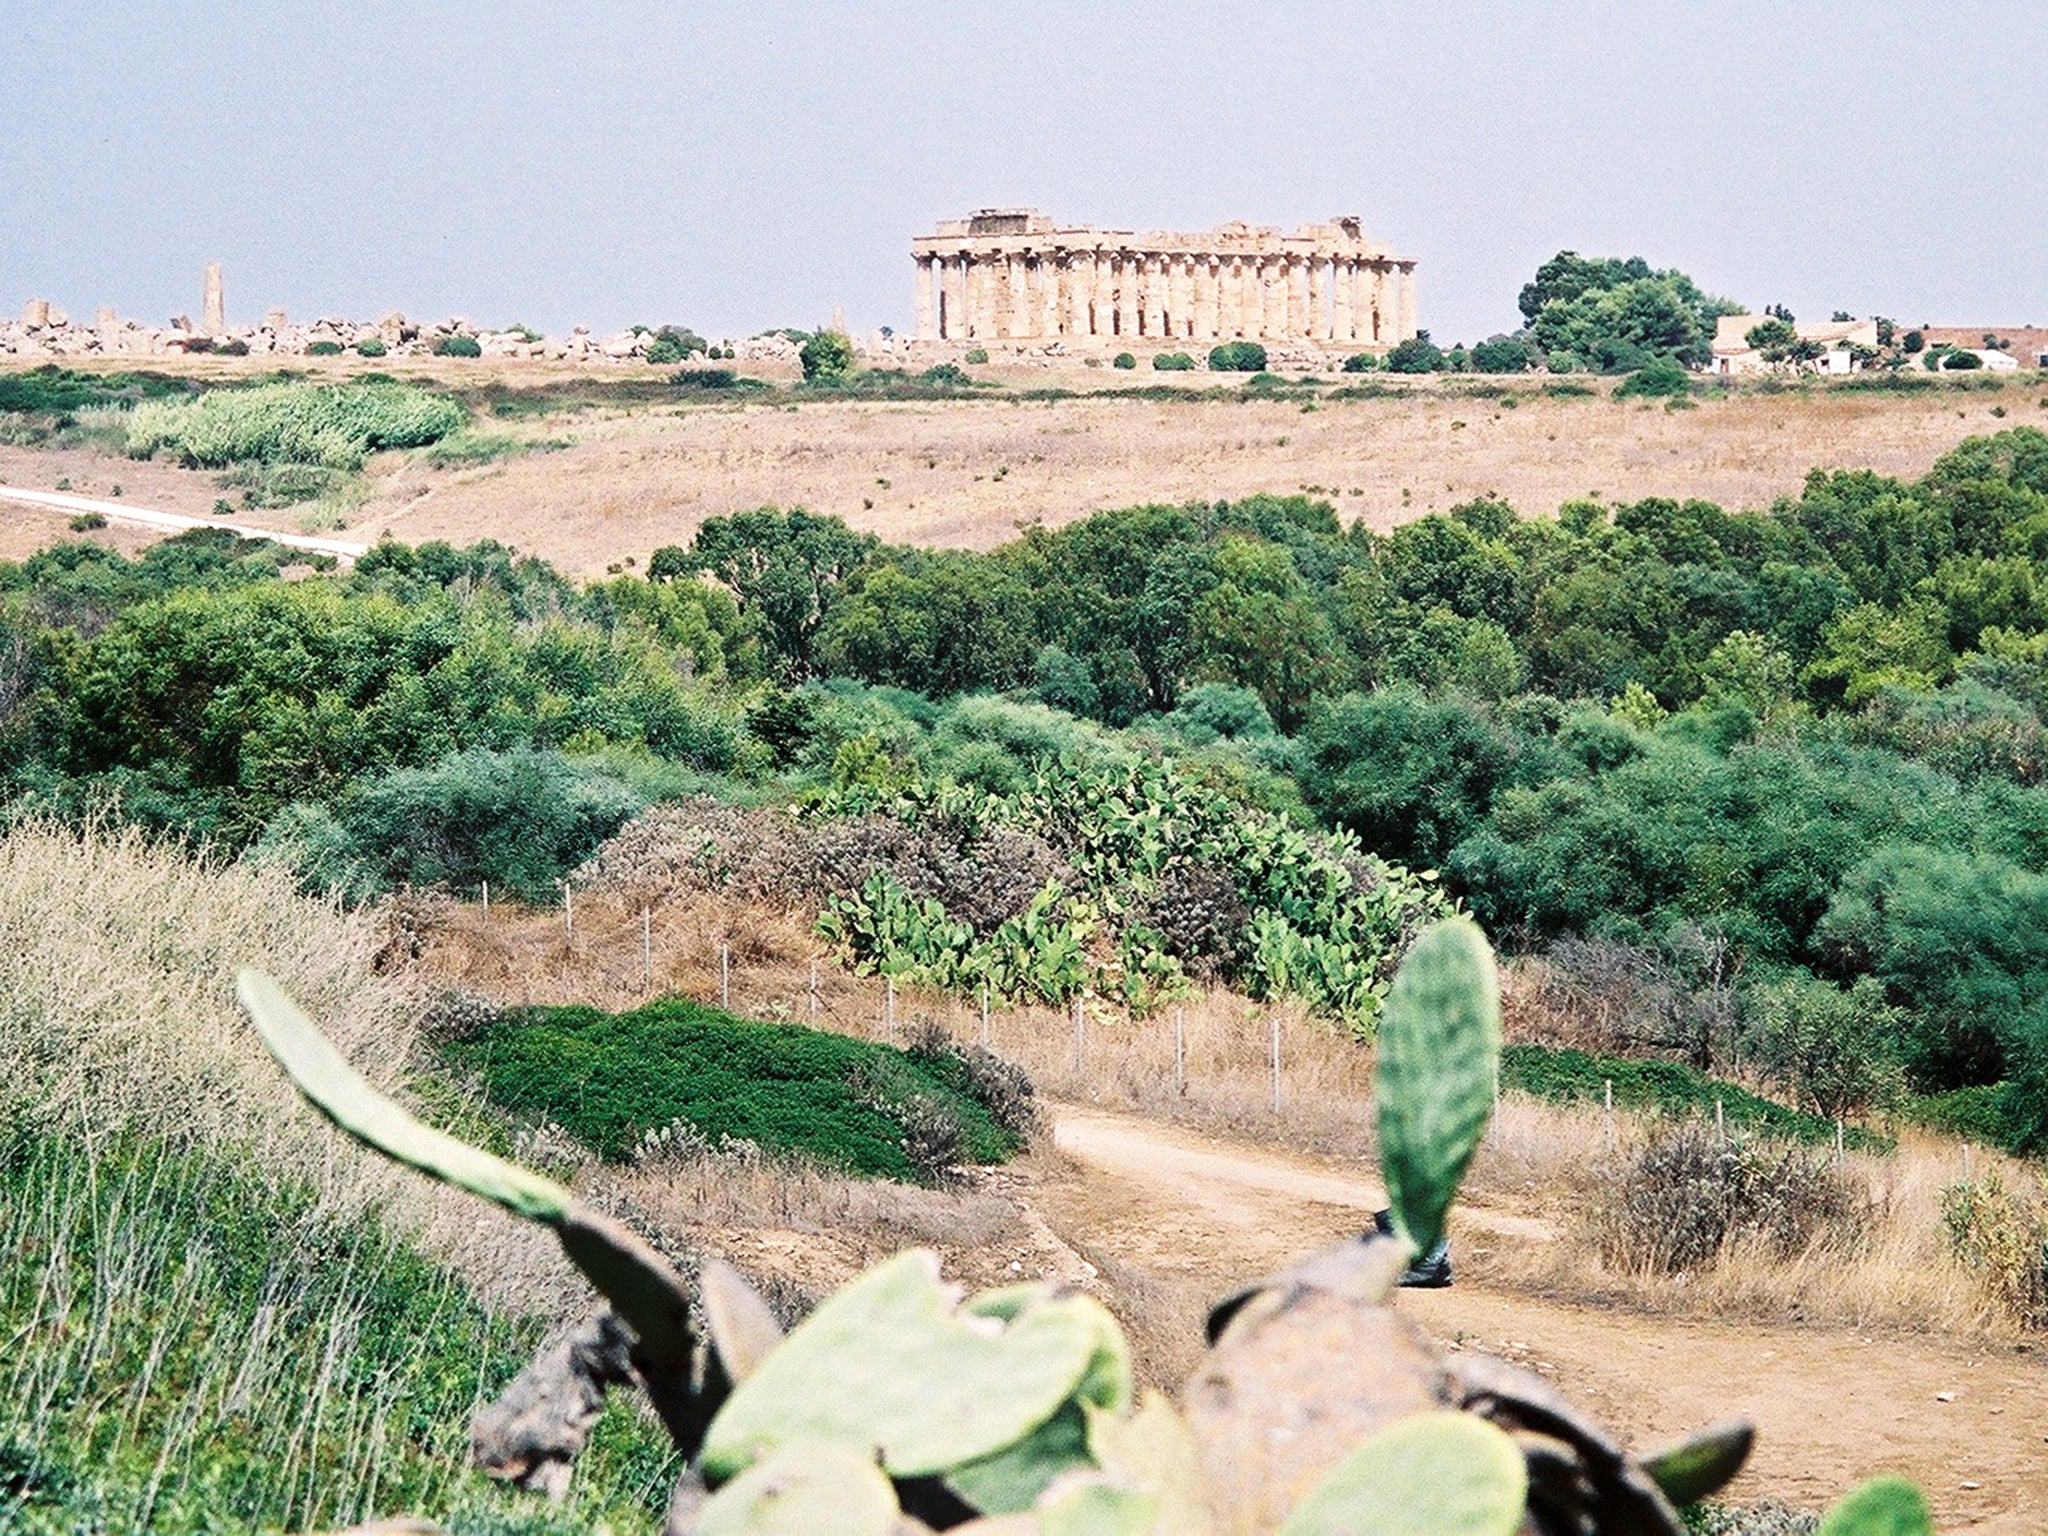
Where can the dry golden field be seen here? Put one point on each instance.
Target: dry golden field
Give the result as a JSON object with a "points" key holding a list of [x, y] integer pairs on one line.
{"points": [[968, 473]]}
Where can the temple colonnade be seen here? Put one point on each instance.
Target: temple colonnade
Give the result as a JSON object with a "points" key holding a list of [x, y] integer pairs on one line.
{"points": [[1009, 275]]}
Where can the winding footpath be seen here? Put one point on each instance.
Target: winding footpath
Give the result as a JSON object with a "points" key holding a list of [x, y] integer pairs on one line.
{"points": [[1831, 1406], [176, 522]]}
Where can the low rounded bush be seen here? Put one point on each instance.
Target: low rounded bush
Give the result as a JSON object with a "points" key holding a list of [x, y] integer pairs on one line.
{"points": [[664, 349], [945, 373], [1123, 360], [1173, 362], [85, 522], [1657, 379], [371, 346], [323, 349], [458, 346], [1961, 362], [1238, 357], [1361, 362], [234, 347], [976, 355]]}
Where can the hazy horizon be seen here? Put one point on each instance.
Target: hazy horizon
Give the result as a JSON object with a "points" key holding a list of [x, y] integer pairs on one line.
{"points": [[742, 167]]}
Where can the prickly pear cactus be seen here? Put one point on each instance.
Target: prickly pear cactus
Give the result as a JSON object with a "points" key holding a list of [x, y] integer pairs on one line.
{"points": [[1439, 1046], [1884, 1506], [1430, 1474], [899, 1407]]}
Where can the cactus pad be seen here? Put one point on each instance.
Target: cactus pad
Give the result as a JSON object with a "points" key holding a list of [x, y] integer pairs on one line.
{"points": [[888, 1363], [801, 1490], [1431, 1474], [342, 1094], [1884, 1506], [1438, 1045]]}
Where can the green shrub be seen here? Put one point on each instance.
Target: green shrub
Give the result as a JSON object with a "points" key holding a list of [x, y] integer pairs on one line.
{"points": [[1361, 362], [521, 820], [457, 346], [1418, 354], [976, 355], [86, 522], [950, 374], [1564, 1076], [370, 346], [665, 350], [323, 349], [826, 355], [1961, 361], [1173, 362], [1237, 357], [2002, 1237], [331, 425], [1657, 379], [1123, 360], [1502, 354], [1985, 1112], [612, 1079]]}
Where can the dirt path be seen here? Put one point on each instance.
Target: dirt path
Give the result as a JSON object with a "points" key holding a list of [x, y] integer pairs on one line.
{"points": [[1831, 1407], [172, 522]]}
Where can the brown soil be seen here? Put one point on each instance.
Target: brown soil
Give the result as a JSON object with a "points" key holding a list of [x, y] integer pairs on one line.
{"points": [[967, 474], [1831, 1408]]}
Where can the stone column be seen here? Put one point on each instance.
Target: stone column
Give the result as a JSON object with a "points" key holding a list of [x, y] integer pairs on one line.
{"points": [[927, 325], [1340, 299], [1299, 322], [1318, 297], [214, 312], [1274, 269], [1050, 306], [952, 297], [981, 303], [1384, 317], [1407, 300], [1205, 298], [1250, 300]]}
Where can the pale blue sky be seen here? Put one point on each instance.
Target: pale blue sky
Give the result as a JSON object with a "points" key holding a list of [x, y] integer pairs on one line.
{"points": [[737, 166]]}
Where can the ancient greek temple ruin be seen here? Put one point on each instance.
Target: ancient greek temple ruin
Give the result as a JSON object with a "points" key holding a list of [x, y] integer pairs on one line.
{"points": [[1011, 274]]}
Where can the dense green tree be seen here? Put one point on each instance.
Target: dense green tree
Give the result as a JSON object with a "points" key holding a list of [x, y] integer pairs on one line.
{"points": [[786, 569]]}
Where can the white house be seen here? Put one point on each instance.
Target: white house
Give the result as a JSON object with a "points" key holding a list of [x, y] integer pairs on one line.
{"points": [[1838, 338]]}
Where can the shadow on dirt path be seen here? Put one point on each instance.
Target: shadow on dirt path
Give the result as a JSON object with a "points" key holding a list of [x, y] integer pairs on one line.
{"points": [[1832, 1407]]}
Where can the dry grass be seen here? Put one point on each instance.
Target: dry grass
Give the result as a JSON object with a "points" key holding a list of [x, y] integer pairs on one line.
{"points": [[968, 473], [117, 1014], [1558, 1165]]}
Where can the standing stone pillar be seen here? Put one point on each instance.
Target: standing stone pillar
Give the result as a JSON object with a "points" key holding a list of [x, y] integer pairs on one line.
{"points": [[1318, 297], [1275, 270], [1205, 298], [1050, 308], [1407, 300], [213, 311], [1345, 280], [1385, 304], [1152, 294], [927, 324], [35, 314], [952, 297], [1251, 298], [1298, 321], [1372, 318], [984, 305], [1088, 284]]}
